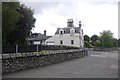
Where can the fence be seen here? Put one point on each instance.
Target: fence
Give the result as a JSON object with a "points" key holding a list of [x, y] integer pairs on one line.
{"points": [[32, 48]]}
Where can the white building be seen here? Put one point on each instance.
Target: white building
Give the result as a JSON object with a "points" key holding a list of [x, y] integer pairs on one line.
{"points": [[70, 36]]}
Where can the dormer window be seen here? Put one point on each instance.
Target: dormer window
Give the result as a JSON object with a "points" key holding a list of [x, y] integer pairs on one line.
{"points": [[61, 31], [72, 30]]}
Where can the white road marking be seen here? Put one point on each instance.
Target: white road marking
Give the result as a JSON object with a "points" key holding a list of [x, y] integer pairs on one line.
{"points": [[98, 56], [114, 67]]}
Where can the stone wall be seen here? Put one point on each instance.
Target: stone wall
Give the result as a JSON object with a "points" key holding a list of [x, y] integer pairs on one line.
{"points": [[20, 61]]}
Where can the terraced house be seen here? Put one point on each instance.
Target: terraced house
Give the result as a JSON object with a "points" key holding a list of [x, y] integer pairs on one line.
{"points": [[70, 35]]}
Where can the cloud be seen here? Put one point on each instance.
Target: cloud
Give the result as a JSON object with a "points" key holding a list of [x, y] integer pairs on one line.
{"points": [[96, 15], [40, 6], [99, 18]]}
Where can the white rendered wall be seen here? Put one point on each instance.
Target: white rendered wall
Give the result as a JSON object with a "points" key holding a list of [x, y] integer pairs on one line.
{"points": [[81, 38], [36, 42], [66, 38]]}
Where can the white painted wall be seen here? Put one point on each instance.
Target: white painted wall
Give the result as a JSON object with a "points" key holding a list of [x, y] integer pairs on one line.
{"points": [[49, 43], [66, 38], [81, 38], [36, 42]]}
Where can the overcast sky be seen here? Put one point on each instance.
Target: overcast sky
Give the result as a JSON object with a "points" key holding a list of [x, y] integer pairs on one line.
{"points": [[95, 15]]}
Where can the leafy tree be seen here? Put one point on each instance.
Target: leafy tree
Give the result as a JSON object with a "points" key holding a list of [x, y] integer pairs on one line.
{"points": [[87, 44], [97, 44], [115, 42], [86, 38], [118, 42], [25, 23], [9, 20], [17, 22], [94, 39], [106, 39], [86, 41]]}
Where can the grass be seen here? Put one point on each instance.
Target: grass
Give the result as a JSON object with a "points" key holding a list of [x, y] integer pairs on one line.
{"points": [[43, 51]]}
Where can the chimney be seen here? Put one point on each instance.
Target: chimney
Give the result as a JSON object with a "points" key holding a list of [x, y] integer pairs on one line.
{"points": [[80, 24], [44, 32], [82, 32], [70, 23]]}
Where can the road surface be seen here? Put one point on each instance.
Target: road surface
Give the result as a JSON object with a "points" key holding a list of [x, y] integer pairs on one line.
{"points": [[96, 65]]}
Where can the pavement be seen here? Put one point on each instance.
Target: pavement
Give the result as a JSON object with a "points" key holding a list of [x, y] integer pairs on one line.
{"points": [[95, 65]]}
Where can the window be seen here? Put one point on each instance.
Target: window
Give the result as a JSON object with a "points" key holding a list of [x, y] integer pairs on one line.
{"points": [[75, 31], [61, 42], [72, 41], [72, 30], [61, 31]]}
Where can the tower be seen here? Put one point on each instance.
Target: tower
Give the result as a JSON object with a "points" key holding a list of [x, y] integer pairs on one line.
{"points": [[70, 23]]}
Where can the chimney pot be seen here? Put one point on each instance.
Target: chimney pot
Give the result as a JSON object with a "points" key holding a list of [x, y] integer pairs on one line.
{"points": [[44, 32]]}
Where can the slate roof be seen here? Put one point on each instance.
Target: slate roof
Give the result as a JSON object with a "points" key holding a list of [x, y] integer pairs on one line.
{"points": [[67, 30], [38, 37]]}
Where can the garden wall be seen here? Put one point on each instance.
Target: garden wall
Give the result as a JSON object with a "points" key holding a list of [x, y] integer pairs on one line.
{"points": [[21, 61]]}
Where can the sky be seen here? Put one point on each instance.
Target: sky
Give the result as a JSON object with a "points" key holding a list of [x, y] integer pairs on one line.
{"points": [[95, 15]]}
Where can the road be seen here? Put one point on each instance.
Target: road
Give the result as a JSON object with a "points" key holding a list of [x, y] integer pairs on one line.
{"points": [[96, 65]]}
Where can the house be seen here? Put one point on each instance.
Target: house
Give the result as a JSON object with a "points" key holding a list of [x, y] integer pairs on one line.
{"points": [[70, 36], [37, 38]]}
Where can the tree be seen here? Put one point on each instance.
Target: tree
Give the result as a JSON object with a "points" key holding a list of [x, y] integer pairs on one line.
{"points": [[118, 42], [17, 23], [94, 39], [25, 23], [86, 41], [87, 44], [115, 42], [106, 39], [86, 38], [9, 19]]}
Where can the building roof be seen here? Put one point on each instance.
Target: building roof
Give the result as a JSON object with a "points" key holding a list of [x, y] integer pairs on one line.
{"points": [[67, 30], [38, 37], [41, 37]]}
